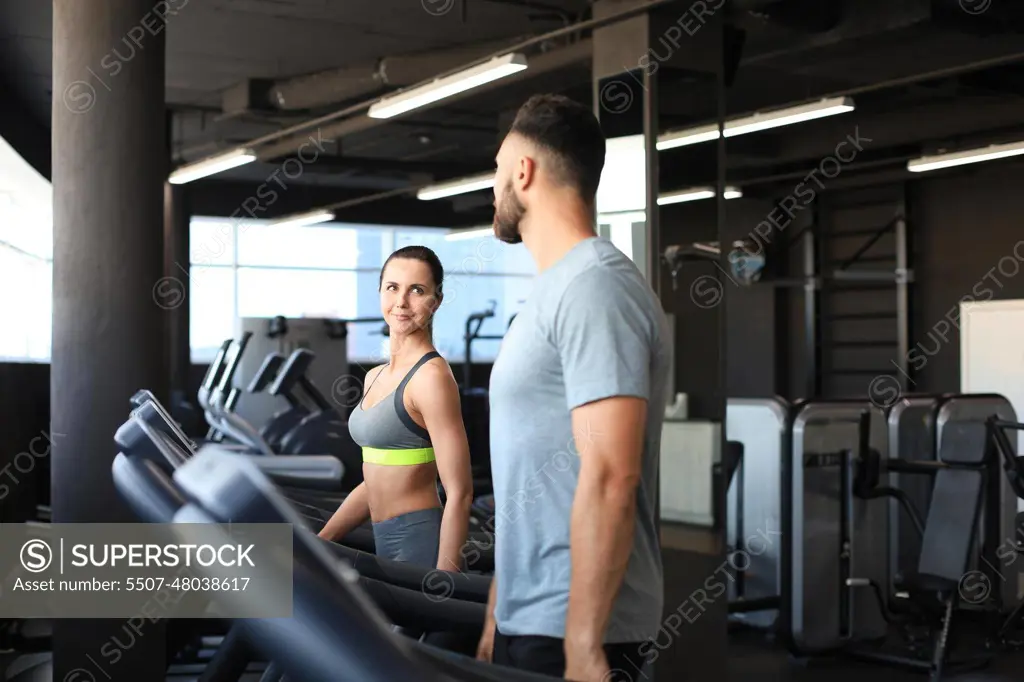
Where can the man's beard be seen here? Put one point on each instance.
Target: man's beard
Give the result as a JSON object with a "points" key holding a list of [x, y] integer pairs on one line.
{"points": [[507, 217]]}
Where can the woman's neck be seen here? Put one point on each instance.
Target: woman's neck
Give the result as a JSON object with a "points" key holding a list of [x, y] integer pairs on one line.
{"points": [[407, 349]]}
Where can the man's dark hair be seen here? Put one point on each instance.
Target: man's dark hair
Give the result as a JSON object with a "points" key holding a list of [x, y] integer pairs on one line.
{"points": [[572, 136]]}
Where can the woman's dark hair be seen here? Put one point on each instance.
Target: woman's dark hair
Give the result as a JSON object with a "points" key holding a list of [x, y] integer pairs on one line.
{"points": [[422, 254]]}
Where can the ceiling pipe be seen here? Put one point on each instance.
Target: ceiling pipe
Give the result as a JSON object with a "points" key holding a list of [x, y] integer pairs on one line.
{"points": [[338, 85], [555, 60]]}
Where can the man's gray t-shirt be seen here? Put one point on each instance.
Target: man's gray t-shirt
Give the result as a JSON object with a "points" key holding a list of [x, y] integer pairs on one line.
{"points": [[591, 329]]}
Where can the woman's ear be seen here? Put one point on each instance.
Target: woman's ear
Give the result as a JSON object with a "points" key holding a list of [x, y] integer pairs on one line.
{"points": [[438, 298]]}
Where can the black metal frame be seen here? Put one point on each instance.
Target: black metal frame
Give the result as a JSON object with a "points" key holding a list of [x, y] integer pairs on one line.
{"points": [[1013, 465], [730, 472], [815, 280], [851, 481], [939, 659], [472, 333]]}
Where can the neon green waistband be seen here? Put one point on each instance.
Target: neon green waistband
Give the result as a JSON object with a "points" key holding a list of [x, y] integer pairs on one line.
{"points": [[398, 457]]}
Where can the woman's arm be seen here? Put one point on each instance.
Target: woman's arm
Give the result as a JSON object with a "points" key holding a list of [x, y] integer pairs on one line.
{"points": [[436, 398], [352, 513]]}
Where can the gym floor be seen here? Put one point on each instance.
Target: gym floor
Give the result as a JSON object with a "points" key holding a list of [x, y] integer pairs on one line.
{"points": [[750, 656]]}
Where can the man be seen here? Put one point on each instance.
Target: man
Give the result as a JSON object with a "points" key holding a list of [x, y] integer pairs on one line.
{"points": [[577, 395]]}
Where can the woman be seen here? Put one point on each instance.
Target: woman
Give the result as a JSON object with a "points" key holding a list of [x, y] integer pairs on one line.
{"points": [[409, 424]]}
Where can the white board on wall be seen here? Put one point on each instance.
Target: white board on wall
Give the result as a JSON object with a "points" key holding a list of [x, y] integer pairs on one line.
{"points": [[992, 350]]}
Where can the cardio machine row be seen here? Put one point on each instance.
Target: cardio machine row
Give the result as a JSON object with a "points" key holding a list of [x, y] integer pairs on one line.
{"points": [[309, 425], [445, 616]]}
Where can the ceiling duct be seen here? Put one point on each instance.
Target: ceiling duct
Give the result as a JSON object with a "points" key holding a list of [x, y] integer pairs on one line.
{"points": [[546, 62], [330, 87]]}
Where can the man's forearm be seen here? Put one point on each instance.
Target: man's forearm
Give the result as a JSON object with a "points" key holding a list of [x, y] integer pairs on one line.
{"points": [[454, 531], [492, 599], [603, 517]]}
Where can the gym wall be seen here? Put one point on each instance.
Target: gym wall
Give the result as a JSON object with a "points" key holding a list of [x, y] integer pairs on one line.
{"points": [[969, 223], [24, 415], [962, 225]]}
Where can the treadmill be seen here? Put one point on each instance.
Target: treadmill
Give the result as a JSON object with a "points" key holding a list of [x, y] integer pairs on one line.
{"points": [[152, 434], [312, 483], [337, 633]]}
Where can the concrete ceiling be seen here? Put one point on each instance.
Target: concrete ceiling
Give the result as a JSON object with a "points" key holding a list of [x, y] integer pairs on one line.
{"points": [[793, 50]]}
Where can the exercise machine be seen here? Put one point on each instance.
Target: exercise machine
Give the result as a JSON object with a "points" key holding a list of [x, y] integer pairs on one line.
{"points": [[475, 405], [337, 629], [311, 427]]}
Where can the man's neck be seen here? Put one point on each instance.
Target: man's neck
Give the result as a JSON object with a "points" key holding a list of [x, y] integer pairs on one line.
{"points": [[552, 231]]}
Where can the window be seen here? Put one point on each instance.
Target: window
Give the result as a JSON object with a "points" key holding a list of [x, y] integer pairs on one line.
{"points": [[333, 270], [292, 292], [26, 260], [211, 309]]}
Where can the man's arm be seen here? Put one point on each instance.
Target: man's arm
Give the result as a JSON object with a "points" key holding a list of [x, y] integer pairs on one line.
{"points": [[436, 398], [605, 339], [603, 514], [485, 649]]}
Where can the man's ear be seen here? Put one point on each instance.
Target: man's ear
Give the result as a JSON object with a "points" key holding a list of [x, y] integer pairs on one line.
{"points": [[526, 172]]}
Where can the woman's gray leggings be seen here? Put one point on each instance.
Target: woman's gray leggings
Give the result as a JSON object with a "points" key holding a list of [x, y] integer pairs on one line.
{"points": [[412, 537]]}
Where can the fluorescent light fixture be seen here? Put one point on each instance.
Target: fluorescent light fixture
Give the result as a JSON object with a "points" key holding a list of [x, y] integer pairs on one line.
{"points": [[441, 88], [788, 116], [623, 217], [211, 166], [995, 151], [682, 138], [755, 122], [470, 233], [695, 194], [304, 219], [473, 183]]}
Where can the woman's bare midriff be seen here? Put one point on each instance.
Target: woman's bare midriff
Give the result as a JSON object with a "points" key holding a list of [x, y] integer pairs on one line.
{"points": [[396, 490]]}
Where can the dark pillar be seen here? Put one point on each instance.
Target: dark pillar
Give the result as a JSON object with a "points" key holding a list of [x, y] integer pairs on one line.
{"points": [[173, 293], [630, 58], [108, 332]]}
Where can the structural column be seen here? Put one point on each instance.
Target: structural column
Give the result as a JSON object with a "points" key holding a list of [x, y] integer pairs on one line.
{"points": [[109, 334], [173, 294], [630, 58]]}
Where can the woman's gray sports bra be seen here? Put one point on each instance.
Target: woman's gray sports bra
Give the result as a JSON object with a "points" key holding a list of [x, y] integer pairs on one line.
{"points": [[386, 432]]}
